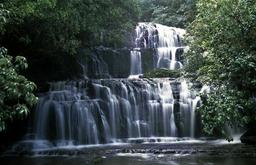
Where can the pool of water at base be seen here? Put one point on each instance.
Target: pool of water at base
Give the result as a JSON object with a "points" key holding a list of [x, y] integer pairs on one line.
{"points": [[127, 159]]}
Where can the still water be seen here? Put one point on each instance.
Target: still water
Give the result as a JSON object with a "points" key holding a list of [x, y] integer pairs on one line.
{"points": [[127, 159]]}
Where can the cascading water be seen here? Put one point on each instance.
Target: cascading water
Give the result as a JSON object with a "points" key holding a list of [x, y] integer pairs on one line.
{"points": [[117, 110], [195, 102], [166, 42], [136, 69], [112, 110], [109, 110], [165, 92], [188, 104]]}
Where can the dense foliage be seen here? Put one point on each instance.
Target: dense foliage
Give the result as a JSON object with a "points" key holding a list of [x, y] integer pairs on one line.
{"points": [[158, 73], [50, 33], [177, 13], [223, 54], [16, 92], [65, 25]]}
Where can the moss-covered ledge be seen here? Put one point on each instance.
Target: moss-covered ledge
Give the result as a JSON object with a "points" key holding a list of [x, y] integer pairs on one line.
{"points": [[161, 73]]}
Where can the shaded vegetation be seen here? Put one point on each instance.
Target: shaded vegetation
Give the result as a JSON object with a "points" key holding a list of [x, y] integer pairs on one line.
{"points": [[50, 33], [176, 13], [16, 92], [222, 54], [159, 73]]}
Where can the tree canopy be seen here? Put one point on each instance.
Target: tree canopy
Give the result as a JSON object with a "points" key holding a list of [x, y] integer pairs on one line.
{"points": [[16, 92], [65, 25], [176, 13], [223, 54]]}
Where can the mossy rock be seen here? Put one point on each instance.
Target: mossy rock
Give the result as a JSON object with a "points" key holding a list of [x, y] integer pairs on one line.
{"points": [[160, 73]]}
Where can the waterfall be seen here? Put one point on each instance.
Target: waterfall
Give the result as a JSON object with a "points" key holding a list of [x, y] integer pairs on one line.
{"points": [[169, 40], [193, 118], [136, 68], [165, 92], [99, 111], [188, 104], [112, 110], [165, 41]]}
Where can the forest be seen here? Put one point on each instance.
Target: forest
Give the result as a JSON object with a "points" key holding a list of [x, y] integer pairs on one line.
{"points": [[44, 41]]}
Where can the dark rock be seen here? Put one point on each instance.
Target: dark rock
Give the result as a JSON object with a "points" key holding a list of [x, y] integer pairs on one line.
{"points": [[152, 140], [137, 141], [249, 137], [15, 131], [117, 61], [46, 67], [27, 146]]}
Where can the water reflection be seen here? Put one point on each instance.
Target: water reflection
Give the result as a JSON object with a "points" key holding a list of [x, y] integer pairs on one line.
{"points": [[127, 159], [146, 159]]}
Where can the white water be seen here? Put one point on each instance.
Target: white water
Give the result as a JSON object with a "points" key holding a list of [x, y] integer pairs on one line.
{"points": [[113, 110], [165, 92], [164, 40], [193, 118], [188, 105], [109, 111], [136, 69]]}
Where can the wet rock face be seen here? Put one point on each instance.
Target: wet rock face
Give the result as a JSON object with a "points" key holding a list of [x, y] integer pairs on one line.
{"points": [[156, 46], [116, 63], [202, 148], [249, 137]]}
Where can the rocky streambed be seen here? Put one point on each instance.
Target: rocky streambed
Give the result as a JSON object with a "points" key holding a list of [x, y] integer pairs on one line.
{"points": [[155, 153]]}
